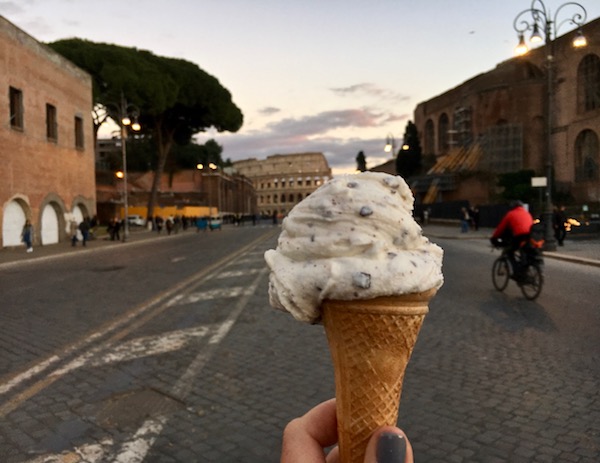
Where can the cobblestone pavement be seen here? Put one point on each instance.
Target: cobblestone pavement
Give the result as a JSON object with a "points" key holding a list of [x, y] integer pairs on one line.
{"points": [[215, 374]]}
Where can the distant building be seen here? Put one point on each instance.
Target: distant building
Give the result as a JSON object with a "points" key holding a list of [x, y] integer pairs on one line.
{"points": [[46, 140], [283, 180], [190, 193], [496, 123]]}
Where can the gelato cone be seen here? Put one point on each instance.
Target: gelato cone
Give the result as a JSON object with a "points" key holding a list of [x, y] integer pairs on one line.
{"points": [[352, 256], [370, 342]]}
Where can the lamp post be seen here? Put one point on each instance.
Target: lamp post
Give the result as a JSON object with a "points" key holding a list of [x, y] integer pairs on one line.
{"points": [[211, 166], [127, 116], [390, 144], [539, 21]]}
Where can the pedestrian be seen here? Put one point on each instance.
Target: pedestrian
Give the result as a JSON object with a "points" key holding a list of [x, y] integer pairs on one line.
{"points": [[169, 225], [560, 225], [114, 228], [84, 228], [73, 231], [474, 213], [464, 220], [27, 235], [274, 217]]}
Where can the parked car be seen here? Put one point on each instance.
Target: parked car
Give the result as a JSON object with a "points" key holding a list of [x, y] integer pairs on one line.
{"points": [[136, 220]]}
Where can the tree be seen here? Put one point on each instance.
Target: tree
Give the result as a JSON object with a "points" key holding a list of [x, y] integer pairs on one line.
{"points": [[408, 161], [192, 154], [361, 161], [176, 99], [517, 185]]}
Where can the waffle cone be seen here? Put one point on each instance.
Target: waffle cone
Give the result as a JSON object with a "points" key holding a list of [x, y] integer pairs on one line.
{"points": [[370, 342]]}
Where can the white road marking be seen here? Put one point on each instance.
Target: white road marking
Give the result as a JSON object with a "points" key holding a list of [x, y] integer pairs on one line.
{"points": [[205, 274], [151, 345], [238, 273], [136, 449], [28, 374], [217, 293]]}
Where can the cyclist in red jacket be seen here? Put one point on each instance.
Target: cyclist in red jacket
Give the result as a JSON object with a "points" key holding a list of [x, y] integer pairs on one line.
{"points": [[513, 231]]}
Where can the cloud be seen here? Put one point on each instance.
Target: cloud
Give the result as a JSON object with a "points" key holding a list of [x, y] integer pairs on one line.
{"points": [[370, 90], [268, 111], [11, 8], [311, 134], [326, 121]]}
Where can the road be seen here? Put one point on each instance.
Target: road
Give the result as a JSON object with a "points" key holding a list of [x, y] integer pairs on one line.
{"points": [[167, 351]]}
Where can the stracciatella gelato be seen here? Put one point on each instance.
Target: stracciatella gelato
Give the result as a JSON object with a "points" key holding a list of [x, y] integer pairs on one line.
{"points": [[353, 238]]}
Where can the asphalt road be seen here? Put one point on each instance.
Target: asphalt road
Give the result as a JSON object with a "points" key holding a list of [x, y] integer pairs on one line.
{"points": [[167, 351]]}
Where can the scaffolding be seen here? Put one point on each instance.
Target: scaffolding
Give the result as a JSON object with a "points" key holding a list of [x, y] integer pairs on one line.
{"points": [[502, 147]]}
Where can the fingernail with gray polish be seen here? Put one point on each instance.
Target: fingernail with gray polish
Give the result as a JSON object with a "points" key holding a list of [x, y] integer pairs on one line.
{"points": [[391, 448]]}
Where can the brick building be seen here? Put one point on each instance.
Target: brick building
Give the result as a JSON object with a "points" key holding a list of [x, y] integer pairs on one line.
{"points": [[283, 180], [46, 140], [189, 192], [497, 119]]}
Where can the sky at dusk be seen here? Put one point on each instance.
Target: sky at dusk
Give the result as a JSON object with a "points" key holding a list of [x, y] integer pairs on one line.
{"points": [[334, 76]]}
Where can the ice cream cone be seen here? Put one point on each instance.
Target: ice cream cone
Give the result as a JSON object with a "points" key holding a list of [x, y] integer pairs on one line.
{"points": [[371, 342]]}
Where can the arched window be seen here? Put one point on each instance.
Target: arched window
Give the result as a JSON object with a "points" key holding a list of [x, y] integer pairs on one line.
{"points": [[283, 197], [429, 145], [299, 197], [588, 83], [291, 197], [587, 157], [443, 126]]}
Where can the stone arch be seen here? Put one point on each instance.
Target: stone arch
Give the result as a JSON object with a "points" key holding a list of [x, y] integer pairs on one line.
{"points": [[52, 204], [14, 214], [587, 156], [588, 83]]}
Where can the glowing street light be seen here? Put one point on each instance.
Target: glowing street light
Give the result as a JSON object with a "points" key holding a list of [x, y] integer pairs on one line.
{"points": [[539, 21], [127, 117], [390, 144]]}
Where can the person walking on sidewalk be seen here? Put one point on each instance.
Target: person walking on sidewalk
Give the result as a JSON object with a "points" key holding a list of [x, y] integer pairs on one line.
{"points": [[560, 229], [84, 228], [465, 220], [27, 235], [73, 231]]}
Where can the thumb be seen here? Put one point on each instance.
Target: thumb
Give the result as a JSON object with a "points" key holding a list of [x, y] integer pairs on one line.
{"points": [[389, 444]]}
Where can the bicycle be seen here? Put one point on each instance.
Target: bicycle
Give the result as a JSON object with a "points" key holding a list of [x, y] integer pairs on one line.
{"points": [[527, 272]]}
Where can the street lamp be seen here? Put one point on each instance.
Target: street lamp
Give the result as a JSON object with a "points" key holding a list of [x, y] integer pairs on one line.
{"points": [[211, 166], [539, 21], [390, 144], [127, 117]]}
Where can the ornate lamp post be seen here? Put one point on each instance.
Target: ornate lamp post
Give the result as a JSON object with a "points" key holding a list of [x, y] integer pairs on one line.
{"points": [[543, 26], [390, 144], [127, 117]]}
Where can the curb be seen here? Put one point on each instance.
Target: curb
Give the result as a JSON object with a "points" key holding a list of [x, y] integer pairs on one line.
{"points": [[548, 254]]}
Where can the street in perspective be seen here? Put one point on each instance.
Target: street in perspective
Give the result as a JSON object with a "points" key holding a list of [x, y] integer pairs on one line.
{"points": [[165, 349]]}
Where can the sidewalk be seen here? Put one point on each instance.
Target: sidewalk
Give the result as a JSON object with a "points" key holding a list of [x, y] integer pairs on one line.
{"points": [[582, 250], [578, 249], [14, 255]]}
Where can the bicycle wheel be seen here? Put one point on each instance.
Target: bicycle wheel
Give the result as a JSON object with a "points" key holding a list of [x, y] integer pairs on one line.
{"points": [[500, 274], [531, 287]]}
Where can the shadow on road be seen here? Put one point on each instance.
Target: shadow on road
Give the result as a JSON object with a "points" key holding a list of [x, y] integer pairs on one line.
{"points": [[514, 313]]}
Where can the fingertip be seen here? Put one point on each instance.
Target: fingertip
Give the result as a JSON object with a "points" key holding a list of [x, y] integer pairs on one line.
{"points": [[389, 444]]}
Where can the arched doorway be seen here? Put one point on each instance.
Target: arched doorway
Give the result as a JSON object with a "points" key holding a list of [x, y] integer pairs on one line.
{"points": [[50, 224], [13, 219]]}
